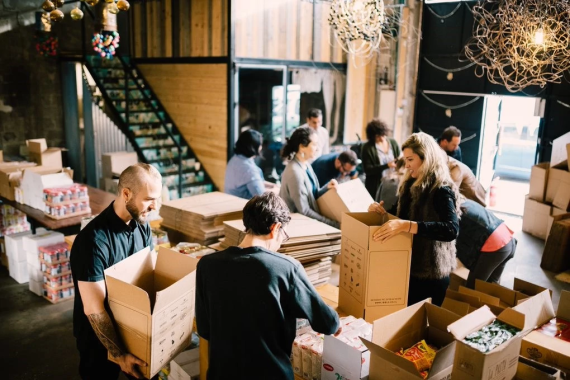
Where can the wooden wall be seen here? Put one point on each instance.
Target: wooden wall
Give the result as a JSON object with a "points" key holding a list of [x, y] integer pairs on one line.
{"points": [[283, 29], [195, 96], [179, 28]]}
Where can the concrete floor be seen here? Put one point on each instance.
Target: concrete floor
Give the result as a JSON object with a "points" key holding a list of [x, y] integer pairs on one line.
{"points": [[37, 339]]}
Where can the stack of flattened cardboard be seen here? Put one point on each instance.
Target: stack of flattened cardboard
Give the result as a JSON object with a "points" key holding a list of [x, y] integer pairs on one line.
{"points": [[309, 239], [319, 272], [200, 218]]}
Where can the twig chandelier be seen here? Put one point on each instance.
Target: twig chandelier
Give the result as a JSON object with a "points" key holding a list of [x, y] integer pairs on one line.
{"points": [[358, 25], [521, 43]]}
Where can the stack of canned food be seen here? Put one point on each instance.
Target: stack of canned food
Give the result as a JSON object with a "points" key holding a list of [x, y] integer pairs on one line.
{"points": [[66, 201]]}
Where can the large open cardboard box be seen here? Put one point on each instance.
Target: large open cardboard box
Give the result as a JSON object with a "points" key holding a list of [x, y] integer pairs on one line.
{"points": [[42, 155], [530, 370], [546, 349], [114, 163], [535, 218], [374, 276], [10, 176], [152, 300], [405, 328], [349, 196]]}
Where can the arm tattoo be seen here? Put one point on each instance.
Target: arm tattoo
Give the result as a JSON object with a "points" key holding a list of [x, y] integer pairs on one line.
{"points": [[106, 333]]}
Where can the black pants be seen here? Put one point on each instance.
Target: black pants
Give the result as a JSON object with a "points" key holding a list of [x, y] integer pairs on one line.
{"points": [[490, 265], [421, 288]]}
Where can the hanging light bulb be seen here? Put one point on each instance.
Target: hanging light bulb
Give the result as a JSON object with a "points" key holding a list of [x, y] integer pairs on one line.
{"points": [[76, 14], [48, 6], [123, 5], [59, 3], [112, 8], [539, 36], [109, 1], [56, 15], [92, 2]]}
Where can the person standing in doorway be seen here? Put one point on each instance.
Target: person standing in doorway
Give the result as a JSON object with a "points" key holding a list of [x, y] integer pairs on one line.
{"points": [[315, 122], [449, 141], [118, 232]]}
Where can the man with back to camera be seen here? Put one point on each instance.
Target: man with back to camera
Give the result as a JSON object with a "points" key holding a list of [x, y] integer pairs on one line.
{"points": [[339, 166], [249, 297], [118, 232], [315, 121], [449, 141]]}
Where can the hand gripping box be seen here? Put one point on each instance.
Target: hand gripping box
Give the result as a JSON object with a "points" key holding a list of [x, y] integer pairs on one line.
{"points": [[374, 276], [151, 297]]}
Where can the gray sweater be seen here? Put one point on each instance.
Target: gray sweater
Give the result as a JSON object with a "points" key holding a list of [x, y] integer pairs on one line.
{"points": [[297, 192]]}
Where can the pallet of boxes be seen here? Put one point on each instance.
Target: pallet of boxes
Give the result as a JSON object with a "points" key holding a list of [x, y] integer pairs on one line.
{"points": [[547, 206], [112, 165], [13, 226]]}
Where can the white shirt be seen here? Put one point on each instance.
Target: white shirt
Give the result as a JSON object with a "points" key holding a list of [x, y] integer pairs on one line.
{"points": [[324, 143]]}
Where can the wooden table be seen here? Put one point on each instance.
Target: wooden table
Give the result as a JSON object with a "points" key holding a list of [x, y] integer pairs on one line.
{"points": [[98, 201]]}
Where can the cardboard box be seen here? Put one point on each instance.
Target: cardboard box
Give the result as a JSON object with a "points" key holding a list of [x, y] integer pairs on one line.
{"points": [[458, 277], [405, 328], [349, 196], [110, 185], [530, 370], [1, 156], [341, 361], [546, 349], [558, 176], [556, 255], [556, 214], [535, 218], [10, 176], [114, 163], [35, 180], [538, 181], [152, 299], [42, 238], [559, 151], [18, 270], [42, 155], [15, 246], [374, 276], [562, 198]]}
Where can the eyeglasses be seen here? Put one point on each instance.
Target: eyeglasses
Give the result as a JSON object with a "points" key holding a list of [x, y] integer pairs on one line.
{"points": [[285, 234]]}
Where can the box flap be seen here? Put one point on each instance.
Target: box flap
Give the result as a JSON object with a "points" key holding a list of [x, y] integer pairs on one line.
{"points": [[172, 276], [439, 317], [457, 307], [512, 318], [391, 357], [559, 152], [528, 288], [528, 369], [471, 322], [404, 327], [537, 310], [485, 298], [356, 225], [505, 295], [129, 281], [349, 196], [443, 358], [461, 297], [36, 145], [564, 306]]}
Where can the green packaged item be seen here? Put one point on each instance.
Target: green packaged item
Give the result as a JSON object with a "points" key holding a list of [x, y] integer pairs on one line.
{"points": [[491, 336]]}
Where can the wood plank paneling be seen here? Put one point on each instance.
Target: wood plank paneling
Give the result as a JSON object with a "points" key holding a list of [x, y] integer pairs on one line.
{"points": [[356, 109], [150, 28], [216, 28], [184, 32], [200, 25], [271, 32], [137, 9], [292, 30], [195, 96], [306, 31], [167, 27]]}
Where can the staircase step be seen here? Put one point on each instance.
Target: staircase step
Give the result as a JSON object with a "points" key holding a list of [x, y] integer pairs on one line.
{"points": [[157, 147]]}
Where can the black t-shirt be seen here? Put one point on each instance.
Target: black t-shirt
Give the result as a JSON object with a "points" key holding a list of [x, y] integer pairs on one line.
{"points": [[247, 302], [105, 241]]}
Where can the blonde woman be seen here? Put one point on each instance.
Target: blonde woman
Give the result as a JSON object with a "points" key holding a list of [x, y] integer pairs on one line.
{"points": [[428, 208]]}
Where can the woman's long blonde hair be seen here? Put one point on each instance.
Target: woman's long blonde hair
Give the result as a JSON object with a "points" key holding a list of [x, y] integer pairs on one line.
{"points": [[434, 172]]}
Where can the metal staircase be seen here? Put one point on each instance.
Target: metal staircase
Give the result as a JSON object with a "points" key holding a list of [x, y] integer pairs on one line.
{"points": [[133, 106]]}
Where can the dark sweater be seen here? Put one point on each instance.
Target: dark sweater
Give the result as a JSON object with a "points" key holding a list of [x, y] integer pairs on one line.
{"points": [[371, 164], [247, 303]]}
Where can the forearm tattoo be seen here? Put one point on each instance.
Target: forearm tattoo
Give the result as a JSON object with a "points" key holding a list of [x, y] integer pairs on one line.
{"points": [[106, 333]]}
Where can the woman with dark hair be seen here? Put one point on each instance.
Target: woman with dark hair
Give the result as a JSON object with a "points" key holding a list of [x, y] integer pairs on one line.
{"points": [[299, 184], [244, 178], [379, 155], [428, 208]]}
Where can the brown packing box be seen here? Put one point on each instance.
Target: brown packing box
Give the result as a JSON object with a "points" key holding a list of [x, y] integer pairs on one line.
{"points": [[562, 198], [1, 156], [459, 276], [152, 299], [405, 328], [559, 149], [10, 176], [538, 181], [374, 276], [556, 255], [114, 163], [558, 176], [535, 218], [556, 214], [531, 370], [546, 349], [349, 196], [42, 155]]}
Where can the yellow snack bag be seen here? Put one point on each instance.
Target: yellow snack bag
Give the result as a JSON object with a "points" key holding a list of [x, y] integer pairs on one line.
{"points": [[421, 354]]}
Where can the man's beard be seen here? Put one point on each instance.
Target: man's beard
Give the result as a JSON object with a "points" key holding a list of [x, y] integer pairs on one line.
{"points": [[135, 213]]}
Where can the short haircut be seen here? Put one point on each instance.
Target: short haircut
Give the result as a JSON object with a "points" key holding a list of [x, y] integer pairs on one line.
{"points": [[348, 157], [135, 175], [374, 128], [248, 143], [449, 133], [314, 112], [262, 211]]}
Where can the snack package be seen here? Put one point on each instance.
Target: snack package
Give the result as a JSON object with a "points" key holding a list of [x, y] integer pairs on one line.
{"points": [[421, 354], [491, 336], [557, 328]]}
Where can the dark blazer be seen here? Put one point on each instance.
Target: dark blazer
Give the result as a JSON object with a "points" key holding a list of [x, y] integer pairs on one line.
{"points": [[371, 164]]}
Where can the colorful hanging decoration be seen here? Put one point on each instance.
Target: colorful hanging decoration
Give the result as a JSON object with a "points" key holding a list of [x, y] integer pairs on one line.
{"points": [[106, 43], [46, 44], [56, 15]]}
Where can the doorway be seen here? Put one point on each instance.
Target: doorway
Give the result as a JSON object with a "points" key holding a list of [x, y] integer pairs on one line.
{"points": [[508, 151]]}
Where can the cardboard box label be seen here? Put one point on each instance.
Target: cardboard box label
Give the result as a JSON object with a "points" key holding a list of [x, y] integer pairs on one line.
{"points": [[353, 265]]}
